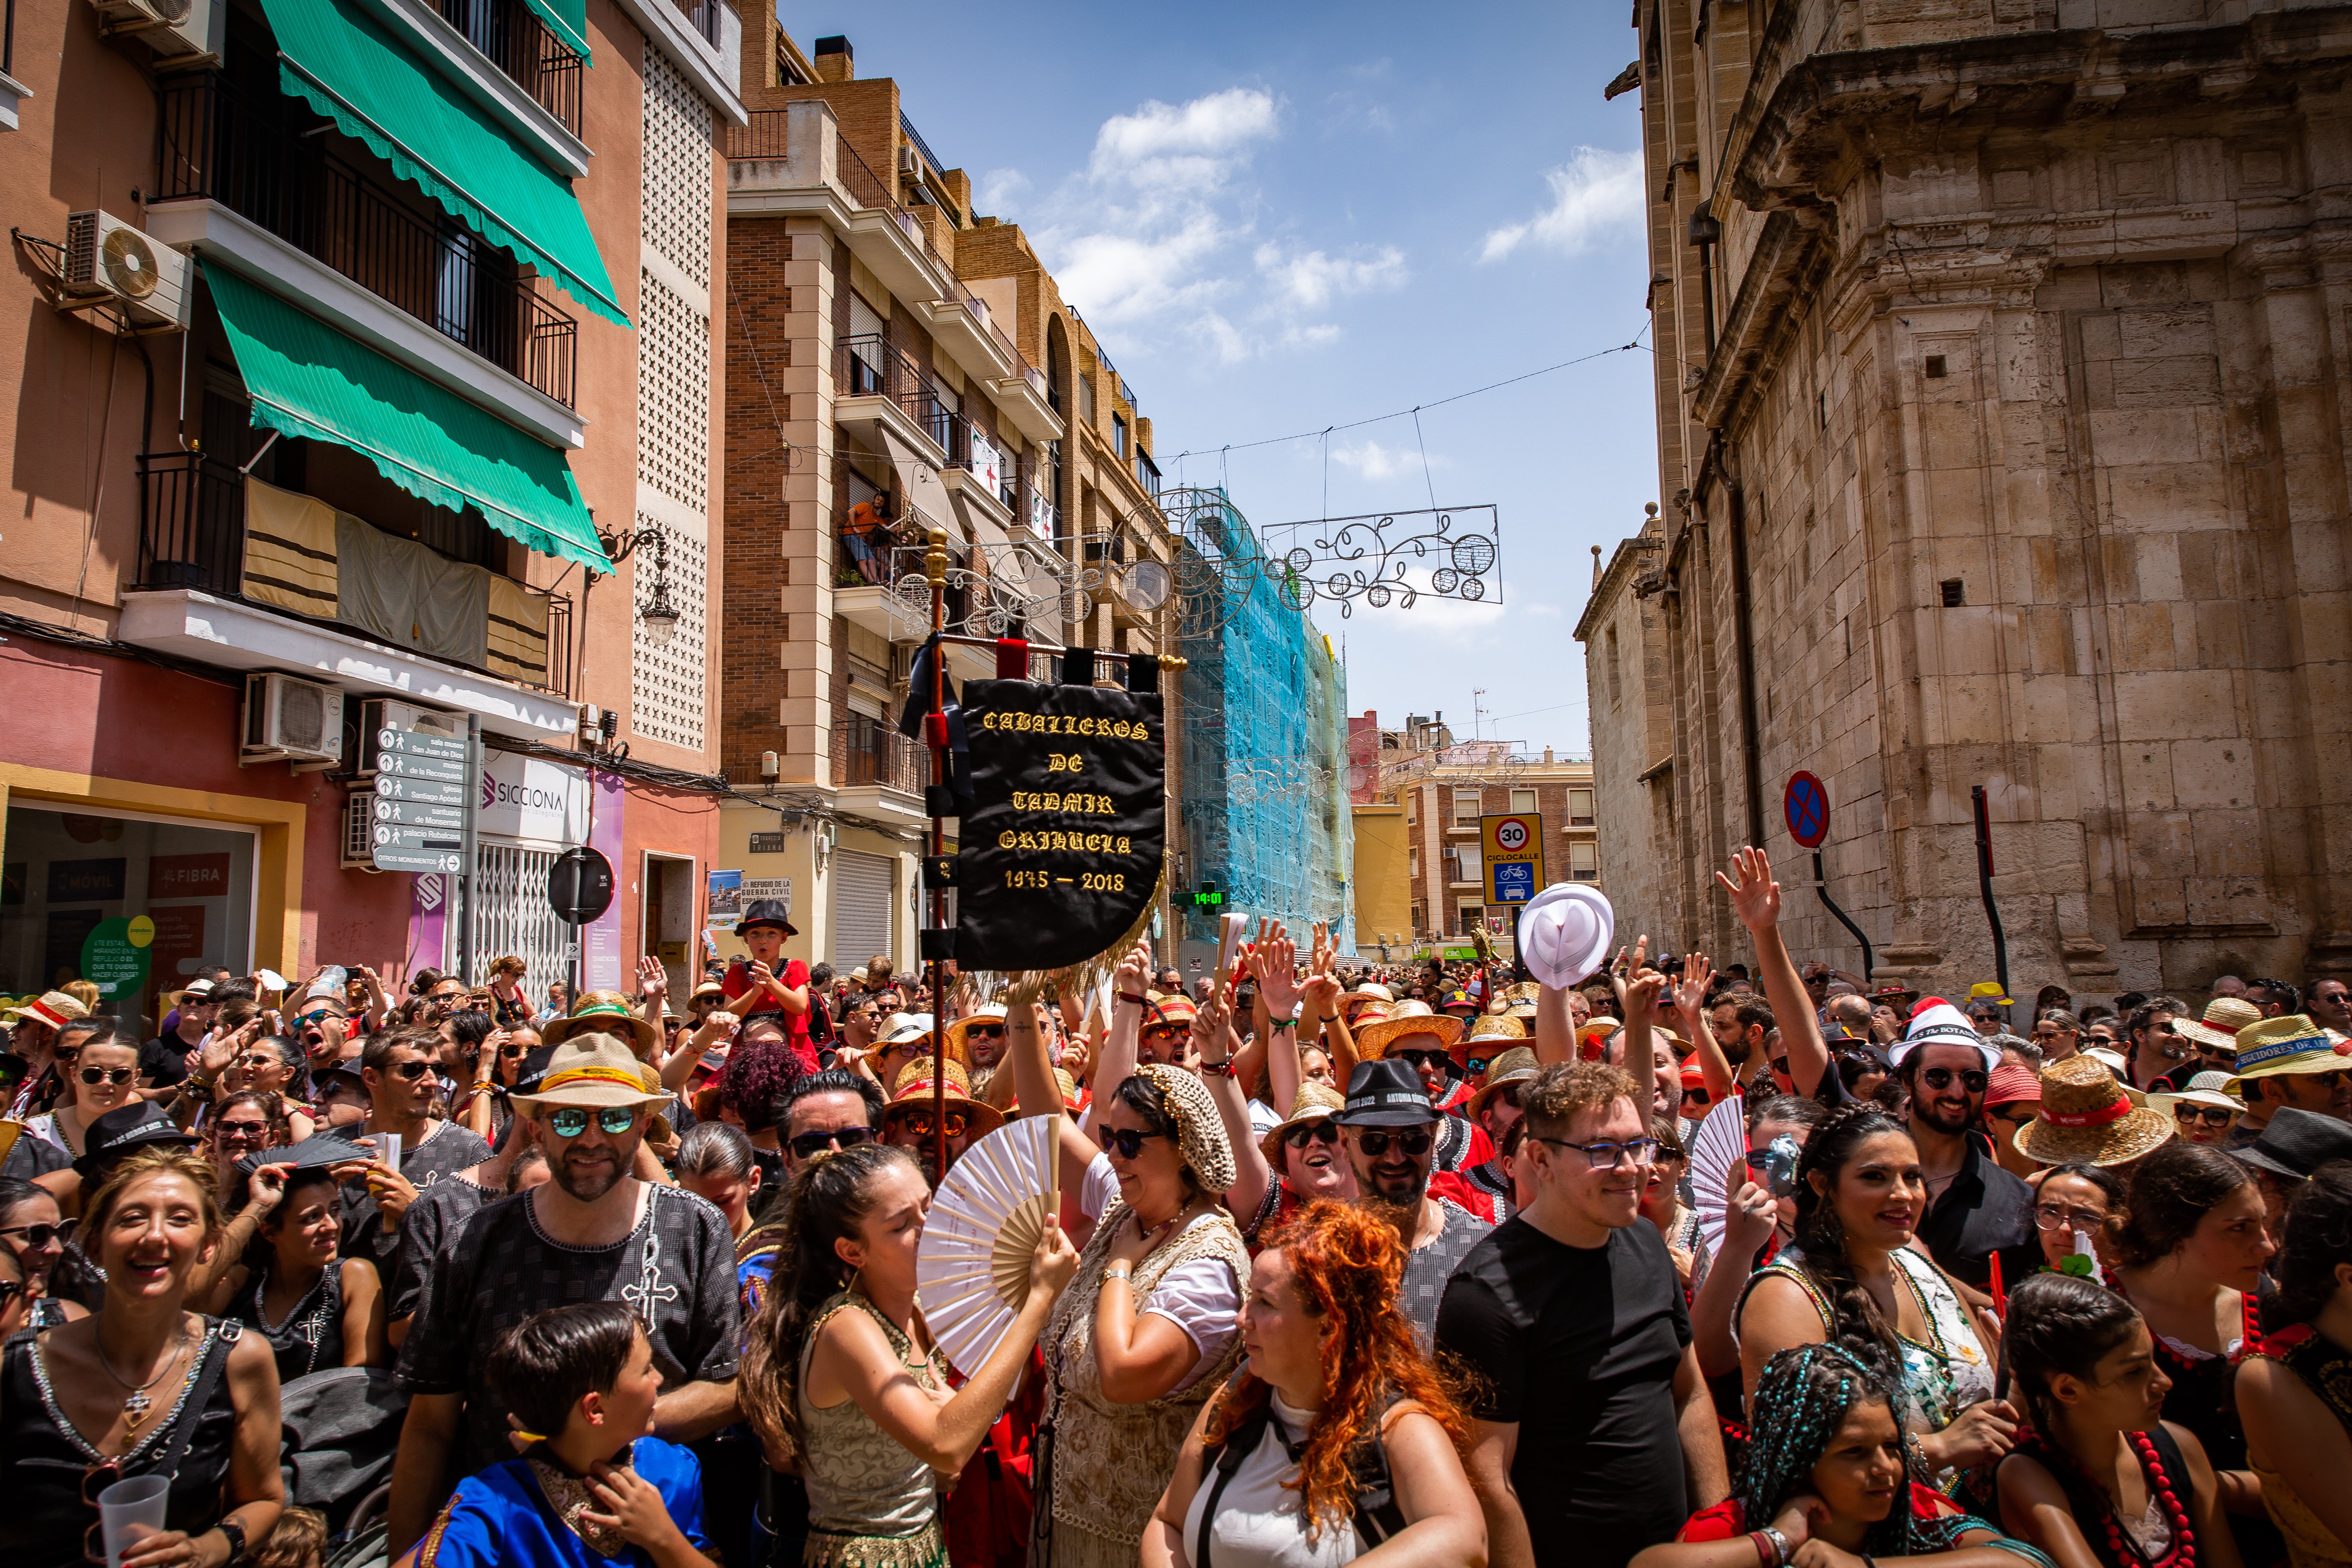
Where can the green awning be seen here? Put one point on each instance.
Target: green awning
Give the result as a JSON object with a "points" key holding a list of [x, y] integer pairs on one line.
{"points": [[567, 19], [341, 60], [309, 380]]}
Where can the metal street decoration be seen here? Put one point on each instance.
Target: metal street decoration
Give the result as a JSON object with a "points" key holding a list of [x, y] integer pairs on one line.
{"points": [[1388, 558]]}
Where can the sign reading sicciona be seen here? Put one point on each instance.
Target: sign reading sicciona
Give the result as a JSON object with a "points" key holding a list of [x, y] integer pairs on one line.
{"points": [[1060, 849]]}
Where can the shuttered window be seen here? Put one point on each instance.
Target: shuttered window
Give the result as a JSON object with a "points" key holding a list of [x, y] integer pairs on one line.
{"points": [[861, 907]]}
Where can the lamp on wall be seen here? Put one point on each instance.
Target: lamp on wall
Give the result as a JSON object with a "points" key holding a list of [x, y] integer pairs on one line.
{"points": [[660, 616]]}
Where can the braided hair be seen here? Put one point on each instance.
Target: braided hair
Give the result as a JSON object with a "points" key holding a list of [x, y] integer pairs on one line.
{"points": [[2059, 1323], [1856, 1323]]}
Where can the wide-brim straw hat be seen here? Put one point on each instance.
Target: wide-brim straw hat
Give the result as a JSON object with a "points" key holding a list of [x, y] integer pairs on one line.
{"points": [[1168, 1010], [986, 1013], [1316, 1102], [54, 1008], [590, 1071], [1517, 1064], [2278, 1046], [2224, 1016], [1493, 1027], [2205, 1088], [1372, 1040], [1371, 991], [2087, 1118], [913, 1092], [603, 1012], [1520, 1000]]}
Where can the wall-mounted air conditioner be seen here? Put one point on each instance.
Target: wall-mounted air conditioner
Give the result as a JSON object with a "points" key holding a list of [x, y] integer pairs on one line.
{"points": [[358, 831], [288, 719], [105, 255], [376, 712], [182, 33]]}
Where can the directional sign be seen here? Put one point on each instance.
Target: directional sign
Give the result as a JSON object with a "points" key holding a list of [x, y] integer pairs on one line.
{"points": [[400, 765], [451, 819], [1807, 809], [388, 859], [413, 744], [1513, 849], [395, 835], [421, 792]]}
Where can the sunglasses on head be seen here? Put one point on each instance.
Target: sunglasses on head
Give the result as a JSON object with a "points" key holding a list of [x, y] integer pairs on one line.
{"points": [[95, 1076], [1129, 1141], [41, 1234], [918, 1122], [1322, 1129], [1971, 1079], [2210, 1115], [571, 1120], [1413, 1143], [805, 1145]]}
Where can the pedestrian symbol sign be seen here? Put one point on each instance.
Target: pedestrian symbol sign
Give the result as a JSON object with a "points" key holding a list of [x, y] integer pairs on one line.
{"points": [[1513, 850]]}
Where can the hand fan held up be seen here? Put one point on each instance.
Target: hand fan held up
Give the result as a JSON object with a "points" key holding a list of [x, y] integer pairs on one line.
{"points": [[971, 1267]]}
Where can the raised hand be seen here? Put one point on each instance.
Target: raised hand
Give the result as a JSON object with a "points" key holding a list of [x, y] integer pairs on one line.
{"points": [[653, 980], [1644, 990], [1133, 977], [1756, 897], [1690, 992], [1275, 963]]}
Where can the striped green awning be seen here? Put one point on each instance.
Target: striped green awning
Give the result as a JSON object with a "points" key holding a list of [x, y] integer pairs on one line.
{"points": [[568, 19], [307, 379], [342, 62]]}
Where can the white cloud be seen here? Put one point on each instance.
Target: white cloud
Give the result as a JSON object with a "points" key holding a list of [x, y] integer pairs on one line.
{"points": [[999, 189], [1186, 144], [1374, 461], [1311, 279], [1594, 195]]}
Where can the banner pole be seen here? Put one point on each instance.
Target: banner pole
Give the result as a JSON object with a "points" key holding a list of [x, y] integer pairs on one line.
{"points": [[935, 567]]}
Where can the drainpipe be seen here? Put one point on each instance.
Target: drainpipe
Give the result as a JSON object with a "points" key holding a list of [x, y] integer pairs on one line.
{"points": [[1743, 626], [1984, 886], [1707, 232]]}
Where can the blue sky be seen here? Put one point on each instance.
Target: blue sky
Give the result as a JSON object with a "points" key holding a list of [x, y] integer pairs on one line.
{"points": [[1284, 217]]}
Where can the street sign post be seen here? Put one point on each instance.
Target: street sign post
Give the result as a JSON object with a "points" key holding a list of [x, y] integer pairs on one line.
{"points": [[420, 792], [423, 811], [1513, 850]]}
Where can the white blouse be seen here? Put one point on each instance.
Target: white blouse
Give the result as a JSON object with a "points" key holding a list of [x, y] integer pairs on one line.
{"points": [[1259, 1522]]}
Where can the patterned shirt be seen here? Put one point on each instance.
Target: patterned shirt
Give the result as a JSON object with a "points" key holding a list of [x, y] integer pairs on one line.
{"points": [[1427, 1269]]}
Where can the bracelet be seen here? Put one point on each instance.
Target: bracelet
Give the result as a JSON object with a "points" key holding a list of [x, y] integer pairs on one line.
{"points": [[1282, 1024], [1780, 1545], [1131, 996], [1218, 1069], [1118, 1271], [1764, 1557]]}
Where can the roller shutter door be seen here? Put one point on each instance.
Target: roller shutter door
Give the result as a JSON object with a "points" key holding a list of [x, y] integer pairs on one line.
{"points": [[861, 907]]}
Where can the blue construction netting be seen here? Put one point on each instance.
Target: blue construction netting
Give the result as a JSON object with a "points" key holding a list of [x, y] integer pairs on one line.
{"points": [[1263, 789]]}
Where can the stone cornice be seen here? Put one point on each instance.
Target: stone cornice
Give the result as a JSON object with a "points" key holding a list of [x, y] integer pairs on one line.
{"points": [[1613, 578]]}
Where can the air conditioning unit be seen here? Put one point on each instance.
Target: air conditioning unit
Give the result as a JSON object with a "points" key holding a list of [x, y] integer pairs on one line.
{"points": [[182, 33], [358, 831], [288, 719], [376, 712], [909, 160], [105, 255]]}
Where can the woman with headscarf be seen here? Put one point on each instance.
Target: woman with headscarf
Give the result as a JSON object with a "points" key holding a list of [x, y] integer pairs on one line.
{"points": [[1149, 1329], [1825, 1477]]}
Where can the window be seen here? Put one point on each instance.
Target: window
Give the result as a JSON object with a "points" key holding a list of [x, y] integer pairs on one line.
{"points": [[1466, 808], [1460, 866], [1412, 861], [1413, 808], [1583, 861], [1086, 400], [1522, 800], [1118, 434], [1474, 917], [1580, 808], [1420, 921], [1616, 678]]}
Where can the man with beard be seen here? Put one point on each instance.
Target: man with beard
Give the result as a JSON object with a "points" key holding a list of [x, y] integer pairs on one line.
{"points": [[1975, 1208], [835, 1108], [908, 1122], [1416, 1038], [593, 1233], [1389, 1130], [398, 1069], [325, 1030]]}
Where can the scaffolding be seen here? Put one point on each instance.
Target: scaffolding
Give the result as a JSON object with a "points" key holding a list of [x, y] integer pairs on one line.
{"points": [[1263, 799]]}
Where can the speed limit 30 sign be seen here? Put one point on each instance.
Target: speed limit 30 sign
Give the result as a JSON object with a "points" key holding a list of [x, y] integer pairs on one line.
{"points": [[1513, 849]]}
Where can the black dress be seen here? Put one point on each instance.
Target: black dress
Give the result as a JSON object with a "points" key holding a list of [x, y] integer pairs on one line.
{"points": [[47, 1460], [311, 1338]]}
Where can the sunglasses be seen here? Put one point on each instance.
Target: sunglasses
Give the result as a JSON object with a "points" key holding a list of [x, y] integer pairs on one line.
{"points": [[2331, 1081], [409, 1072], [2008, 1116], [993, 1031], [918, 1122], [95, 1076], [1376, 1144], [1971, 1078], [241, 1131], [807, 1145], [513, 1053], [253, 1059], [1780, 1064], [1697, 1096], [1321, 1131], [1439, 1059], [41, 1234], [571, 1120], [2210, 1115], [1129, 1141]]}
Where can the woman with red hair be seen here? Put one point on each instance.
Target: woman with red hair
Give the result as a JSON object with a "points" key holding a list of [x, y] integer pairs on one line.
{"points": [[1337, 1435]]}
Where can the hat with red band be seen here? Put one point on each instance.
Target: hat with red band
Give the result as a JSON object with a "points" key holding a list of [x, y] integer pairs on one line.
{"points": [[2088, 1118]]}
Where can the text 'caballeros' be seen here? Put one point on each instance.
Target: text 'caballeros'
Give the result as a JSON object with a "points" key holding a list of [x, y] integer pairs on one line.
{"points": [[1062, 724]]}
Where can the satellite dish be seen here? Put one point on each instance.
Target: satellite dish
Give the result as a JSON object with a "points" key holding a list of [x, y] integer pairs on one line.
{"points": [[129, 264]]}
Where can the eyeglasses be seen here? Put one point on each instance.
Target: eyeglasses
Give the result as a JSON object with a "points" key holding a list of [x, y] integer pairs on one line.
{"points": [[409, 1072], [1971, 1078], [2210, 1115], [1323, 1130], [571, 1120], [2050, 1217], [805, 1145], [253, 1059], [39, 1235], [993, 1031], [1128, 1140], [95, 1076], [1609, 1156], [1438, 1059], [918, 1122], [1415, 1143], [241, 1131]]}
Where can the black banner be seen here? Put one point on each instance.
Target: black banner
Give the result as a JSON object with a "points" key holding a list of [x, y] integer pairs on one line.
{"points": [[1062, 840]]}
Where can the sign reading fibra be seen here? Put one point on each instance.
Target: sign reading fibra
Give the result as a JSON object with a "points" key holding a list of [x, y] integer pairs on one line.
{"points": [[1513, 849]]}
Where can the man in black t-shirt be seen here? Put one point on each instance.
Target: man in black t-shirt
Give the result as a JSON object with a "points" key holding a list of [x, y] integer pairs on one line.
{"points": [[1594, 1434]]}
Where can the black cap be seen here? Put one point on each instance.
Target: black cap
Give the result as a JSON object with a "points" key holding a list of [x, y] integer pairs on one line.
{"points": [[1386, 1093], [2293, 1143], [533, 1069], [124, 1132], [766, 912]]}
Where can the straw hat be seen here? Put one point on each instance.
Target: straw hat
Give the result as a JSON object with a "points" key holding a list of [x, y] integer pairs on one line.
{"points": [[1520, 1000], [986, 1013], [1371, 990], [2205, 1088], [1593, 1037], [2277, 1047], [1493, 1026], [913, 1092], [2224, 1016], [2114, 1060], [2087, 1118], [1200, 1130], [1372, 1039], [54, 1008], [1168, 1012], [1517, 1065], [1316, 1102], [602, 1012], [590, 1070]]}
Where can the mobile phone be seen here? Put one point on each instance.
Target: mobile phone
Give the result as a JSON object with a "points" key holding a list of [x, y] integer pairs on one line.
{"points": [[1775, 1166]]}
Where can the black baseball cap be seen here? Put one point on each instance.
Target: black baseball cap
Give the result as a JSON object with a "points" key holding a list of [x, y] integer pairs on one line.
{"points": [[2295, 1143]]}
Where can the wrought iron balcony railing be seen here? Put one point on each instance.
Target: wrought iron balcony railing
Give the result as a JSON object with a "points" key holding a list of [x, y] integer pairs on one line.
{"points": [[520, 43]]}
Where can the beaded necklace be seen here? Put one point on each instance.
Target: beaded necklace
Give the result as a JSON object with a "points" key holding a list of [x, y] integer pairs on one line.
{"points": [[2122, 1548]]}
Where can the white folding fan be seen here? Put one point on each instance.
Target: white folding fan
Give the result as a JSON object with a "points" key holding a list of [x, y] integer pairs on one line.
{"points": [[971, 1267], [1718, 1149]]}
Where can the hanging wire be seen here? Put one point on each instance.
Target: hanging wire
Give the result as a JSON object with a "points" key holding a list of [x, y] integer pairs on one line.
{"points": [[1425, 460]]}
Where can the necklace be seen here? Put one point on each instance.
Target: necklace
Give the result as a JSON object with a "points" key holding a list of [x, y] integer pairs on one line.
{"points": [[135, 1408], [2121, 1547]]}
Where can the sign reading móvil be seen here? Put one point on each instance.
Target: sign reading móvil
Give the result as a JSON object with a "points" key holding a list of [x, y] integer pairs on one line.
{"points": [[1513, 849], [114, 955]]}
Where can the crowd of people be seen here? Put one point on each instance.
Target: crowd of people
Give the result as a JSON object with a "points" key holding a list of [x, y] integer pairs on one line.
{"points": [[1679, 1267]]}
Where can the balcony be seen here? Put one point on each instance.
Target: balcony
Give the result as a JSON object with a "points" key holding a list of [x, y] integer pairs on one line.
{"points": [[223, 152], [875, 384], [513, 38], [878, 772], [205, 591]]}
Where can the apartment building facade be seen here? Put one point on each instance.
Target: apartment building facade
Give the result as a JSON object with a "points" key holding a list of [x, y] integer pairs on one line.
{"points": [[365, 378], [1999, 452], [900, 365]]}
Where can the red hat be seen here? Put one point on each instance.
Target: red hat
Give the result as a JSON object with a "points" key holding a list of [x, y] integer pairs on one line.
{"points": [[2009, 1083]]}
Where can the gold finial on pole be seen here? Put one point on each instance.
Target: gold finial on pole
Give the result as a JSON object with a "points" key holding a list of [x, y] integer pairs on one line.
{"points": [[1169, 661], [935, 559]]}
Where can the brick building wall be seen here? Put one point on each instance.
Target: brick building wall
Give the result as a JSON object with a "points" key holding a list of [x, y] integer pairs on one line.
{"points": [[756, 626]]}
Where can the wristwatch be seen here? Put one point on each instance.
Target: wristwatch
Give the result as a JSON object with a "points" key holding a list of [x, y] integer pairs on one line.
{"points": [[235, 1533]]}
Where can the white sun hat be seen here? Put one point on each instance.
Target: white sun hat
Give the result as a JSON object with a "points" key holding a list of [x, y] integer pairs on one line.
{"points": [[1566, 932]]}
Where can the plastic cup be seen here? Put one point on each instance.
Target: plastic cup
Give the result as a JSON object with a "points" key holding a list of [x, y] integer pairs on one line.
{"points": [[130, 1511], [389, 1143]]}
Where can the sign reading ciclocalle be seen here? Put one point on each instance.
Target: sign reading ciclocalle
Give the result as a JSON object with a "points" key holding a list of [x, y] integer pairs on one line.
{"points": [[1061, 845]]}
